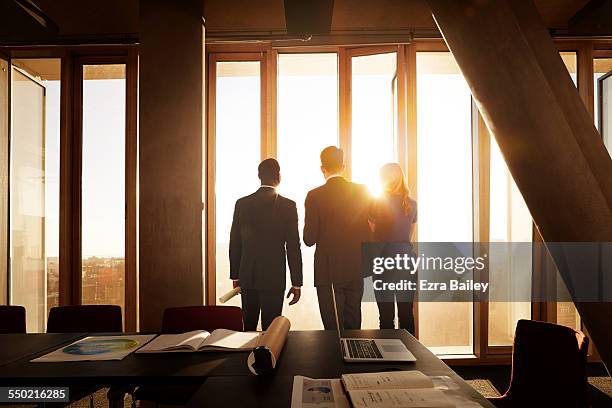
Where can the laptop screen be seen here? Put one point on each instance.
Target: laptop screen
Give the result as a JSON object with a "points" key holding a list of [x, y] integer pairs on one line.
{"points": [[336, 314]]}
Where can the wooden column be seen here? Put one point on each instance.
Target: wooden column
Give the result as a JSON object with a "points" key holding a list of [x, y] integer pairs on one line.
{"points": [[4, 178], [543, 129], [170, 157], [70, 185]]}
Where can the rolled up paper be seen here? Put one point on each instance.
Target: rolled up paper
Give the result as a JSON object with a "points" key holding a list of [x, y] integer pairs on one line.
{"points": [[263, 358], [229, 295]]}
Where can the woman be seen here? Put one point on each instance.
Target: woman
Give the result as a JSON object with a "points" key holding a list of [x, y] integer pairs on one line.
{"points": [[392, 219]]}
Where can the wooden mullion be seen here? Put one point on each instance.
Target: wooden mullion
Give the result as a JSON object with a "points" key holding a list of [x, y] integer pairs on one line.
{"points": [[344, 108], [211, 259], [131, 183]]}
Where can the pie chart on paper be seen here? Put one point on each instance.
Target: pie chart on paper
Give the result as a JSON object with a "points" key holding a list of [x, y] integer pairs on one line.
{"points": [[100, 346]]}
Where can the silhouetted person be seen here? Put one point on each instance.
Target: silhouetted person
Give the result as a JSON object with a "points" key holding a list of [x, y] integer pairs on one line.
{"points": [[336, 221], [392, 219], [265, 233]]}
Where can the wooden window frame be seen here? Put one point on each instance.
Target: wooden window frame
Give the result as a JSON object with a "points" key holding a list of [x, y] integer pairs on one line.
{"points": [[129, 59], [4, 177], [266, 145], [72, 57]]}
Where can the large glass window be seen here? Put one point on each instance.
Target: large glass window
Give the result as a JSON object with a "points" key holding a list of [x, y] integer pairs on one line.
{"points": [[509, 264], [567, 314], [103, 184], [307, 122], [237, 141], [603, 98], [444, 133], [373, 107], [34, 198]]}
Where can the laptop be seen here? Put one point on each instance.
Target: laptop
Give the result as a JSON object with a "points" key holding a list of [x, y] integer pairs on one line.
{"points": [[363, 350]]}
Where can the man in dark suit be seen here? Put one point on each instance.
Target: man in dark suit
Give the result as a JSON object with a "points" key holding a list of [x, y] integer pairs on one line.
{"points": [[264, 233], [336, 221]]}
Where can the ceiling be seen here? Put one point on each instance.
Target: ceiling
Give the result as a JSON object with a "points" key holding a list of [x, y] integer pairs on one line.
{"points": [[76, 18]]}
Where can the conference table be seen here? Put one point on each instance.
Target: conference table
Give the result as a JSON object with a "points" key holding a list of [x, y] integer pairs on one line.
{"points": [[314, 354]]}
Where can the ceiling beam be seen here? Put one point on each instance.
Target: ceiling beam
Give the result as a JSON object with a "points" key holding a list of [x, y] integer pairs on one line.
{"points": [[594, 19]]}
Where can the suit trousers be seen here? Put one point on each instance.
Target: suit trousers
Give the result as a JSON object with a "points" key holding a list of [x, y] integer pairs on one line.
{"points": [[348, 303], [267, 301], [387, 299]]}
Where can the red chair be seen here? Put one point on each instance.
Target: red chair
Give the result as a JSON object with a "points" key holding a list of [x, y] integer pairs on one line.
{"points": [[85, 319], [184, 319], [548, 367], [209, 318], [12, 319]]}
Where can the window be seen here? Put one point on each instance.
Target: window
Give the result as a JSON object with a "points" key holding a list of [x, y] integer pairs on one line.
{"points": [[307, 121], [566, 312], [237, 151], [570, 60], [373, 132], [103, 184], [509, 265], [444, 133], [34, 184], [363, 100], [603, 98], [373, 114]]}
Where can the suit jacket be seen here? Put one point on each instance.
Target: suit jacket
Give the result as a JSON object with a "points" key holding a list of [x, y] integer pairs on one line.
{"points": [[264, 233], [336, 220]]}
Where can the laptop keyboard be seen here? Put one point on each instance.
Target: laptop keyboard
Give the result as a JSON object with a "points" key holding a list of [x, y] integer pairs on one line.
{"points": [[362, 349]]}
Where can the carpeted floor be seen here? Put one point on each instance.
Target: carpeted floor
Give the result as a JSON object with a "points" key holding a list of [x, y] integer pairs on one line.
{"points": [[484, 387], [492, 381]]}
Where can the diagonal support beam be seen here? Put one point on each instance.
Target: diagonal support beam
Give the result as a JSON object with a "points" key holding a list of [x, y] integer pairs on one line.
{"points": [[543, 129]]}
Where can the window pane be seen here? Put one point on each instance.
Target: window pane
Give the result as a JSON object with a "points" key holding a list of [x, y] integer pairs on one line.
{"points": [[237, 139], [35, 187], [602, 66], [307, 122], [373, 130], [373, 95], [571, 63], [566, 311], [606, 110], [444, 115], [510, 277], [103, 189]]}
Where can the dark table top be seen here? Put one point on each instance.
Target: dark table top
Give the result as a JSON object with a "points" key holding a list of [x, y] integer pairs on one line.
{"points": [[316, 354], [14, 347], [313, 354], [164, 368]]}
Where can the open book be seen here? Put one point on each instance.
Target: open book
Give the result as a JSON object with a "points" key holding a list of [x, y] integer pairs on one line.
{"points": [[201, 340], [394, 389]]}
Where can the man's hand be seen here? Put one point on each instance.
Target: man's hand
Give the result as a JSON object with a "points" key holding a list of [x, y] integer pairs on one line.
{"points": [[235, 283], [296, 295]]}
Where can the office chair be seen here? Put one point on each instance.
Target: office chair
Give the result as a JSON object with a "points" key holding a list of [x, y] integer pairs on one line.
{"points": [[184, 319], [548, 367], [209, 318], [12, 319], [85, 319]]}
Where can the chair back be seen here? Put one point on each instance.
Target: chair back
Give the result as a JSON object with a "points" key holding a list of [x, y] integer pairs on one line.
{"points": [[209, 318], [85, 319], [12, 319], [548, 366]]}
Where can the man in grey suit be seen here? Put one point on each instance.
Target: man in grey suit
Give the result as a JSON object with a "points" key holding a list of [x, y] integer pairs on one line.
{"points": [[264, 234], [336, 221]]}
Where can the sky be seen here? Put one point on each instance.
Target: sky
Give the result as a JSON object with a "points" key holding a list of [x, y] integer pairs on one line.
{"points": [[103, 191]]}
